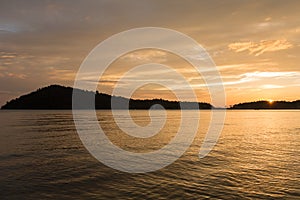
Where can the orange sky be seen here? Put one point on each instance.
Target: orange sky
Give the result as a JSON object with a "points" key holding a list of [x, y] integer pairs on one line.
{"points": [[255, 44]]}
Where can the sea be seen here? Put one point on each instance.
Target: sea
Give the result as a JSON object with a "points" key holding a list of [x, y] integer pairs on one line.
{"points": [[257, 156]]}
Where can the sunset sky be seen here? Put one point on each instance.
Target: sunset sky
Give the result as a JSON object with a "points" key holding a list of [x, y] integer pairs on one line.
{"points": [[254, 44]]}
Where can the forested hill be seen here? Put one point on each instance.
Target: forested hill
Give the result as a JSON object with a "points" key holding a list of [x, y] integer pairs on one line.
{"points": [[60, 97], [268, 105]]}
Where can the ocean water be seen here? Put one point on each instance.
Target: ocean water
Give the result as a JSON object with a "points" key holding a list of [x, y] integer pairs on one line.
{"points": [[256, 157]]}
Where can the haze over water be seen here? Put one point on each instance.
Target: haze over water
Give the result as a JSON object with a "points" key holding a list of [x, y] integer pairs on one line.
{"points": [[257, 156]]}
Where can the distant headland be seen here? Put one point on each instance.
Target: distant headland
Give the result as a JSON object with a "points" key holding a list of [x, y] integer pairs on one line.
{"points": [[60, 97]]}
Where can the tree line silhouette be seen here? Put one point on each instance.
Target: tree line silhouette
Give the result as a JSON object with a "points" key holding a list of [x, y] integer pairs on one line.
{"points": [[268, 105], [60, 97]]}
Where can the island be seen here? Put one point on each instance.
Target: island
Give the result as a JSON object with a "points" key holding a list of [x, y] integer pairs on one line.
{"points": [[60, 97], [257, 105]]}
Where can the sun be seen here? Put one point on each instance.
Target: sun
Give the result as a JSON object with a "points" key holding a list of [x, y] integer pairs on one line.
{"points": [[270, 101]]}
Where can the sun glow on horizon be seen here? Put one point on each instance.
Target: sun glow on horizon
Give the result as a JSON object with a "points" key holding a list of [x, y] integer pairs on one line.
{"points": [[270, 101]]}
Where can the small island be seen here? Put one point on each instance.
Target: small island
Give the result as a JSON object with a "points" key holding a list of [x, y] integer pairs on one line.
{"points": [[268, 105]]}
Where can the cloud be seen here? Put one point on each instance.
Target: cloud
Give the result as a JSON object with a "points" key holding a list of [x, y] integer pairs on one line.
{"points": [[268, 80], [258, 74], [268, 19], [257, 79], [7, 55], [13, 75], [61, 74], [147, 56], [7, 29], [271, 86], [258, 48]]}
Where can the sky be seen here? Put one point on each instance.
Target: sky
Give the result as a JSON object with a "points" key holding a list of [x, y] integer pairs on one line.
{"points": [[254, 44]]}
